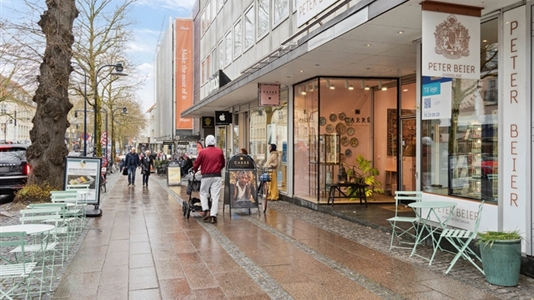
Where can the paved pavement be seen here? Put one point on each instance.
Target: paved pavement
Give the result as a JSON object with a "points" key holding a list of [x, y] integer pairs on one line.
{"points": [[144, 248]]}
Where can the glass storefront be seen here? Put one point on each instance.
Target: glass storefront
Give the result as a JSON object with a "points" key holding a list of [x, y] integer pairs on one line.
{"points": [[460, 154], [268, 125], [339, 119]]}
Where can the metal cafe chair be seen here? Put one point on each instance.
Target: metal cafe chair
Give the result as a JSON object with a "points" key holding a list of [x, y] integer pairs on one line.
{"points": [[15, 275], [398, 232], [460, 239]]}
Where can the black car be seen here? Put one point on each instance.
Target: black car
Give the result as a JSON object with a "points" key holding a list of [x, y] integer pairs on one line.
{"points": [[14, 168]]}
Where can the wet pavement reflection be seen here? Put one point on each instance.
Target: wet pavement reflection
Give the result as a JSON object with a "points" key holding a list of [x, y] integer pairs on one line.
{"points": [[143, 247]]}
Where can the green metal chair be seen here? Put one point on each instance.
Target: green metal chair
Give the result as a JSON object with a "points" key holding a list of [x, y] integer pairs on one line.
{"points": [[460, 240], [15, 275], [399, 232]]}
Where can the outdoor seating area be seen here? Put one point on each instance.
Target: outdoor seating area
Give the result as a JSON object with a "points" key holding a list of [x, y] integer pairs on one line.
{"points": [[431, 224], [32, 251]]}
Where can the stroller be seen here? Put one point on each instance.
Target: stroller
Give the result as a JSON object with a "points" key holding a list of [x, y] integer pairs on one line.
{"points": [[193, 204]]}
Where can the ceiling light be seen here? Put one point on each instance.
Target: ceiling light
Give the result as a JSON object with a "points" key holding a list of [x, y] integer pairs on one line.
{"points": [[368, 45], [484, 41], [351, 87], [304, 91], [401, 32], [332, 87], [367, 88], [380, 87], [384, 88], [405, 90], [301, 71]]}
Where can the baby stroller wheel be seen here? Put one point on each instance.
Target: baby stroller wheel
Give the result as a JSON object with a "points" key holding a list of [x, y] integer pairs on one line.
{"points": [[184, 207]]}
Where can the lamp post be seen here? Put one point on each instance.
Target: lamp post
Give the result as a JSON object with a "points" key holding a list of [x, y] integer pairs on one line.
{"points": [[118, 72], [124, 111]]}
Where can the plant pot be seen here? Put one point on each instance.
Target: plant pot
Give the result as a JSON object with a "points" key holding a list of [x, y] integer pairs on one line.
{"points": [[502, 262]]}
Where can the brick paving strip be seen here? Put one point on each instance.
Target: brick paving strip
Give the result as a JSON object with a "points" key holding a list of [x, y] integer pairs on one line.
{"points": [[266, 282], [365, 282]]}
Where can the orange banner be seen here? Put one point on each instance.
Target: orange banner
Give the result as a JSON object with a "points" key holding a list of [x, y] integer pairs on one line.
{"points": [[184, 71]]}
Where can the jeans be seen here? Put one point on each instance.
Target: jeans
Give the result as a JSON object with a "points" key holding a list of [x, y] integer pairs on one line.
{"points": [[131, 174], [145, 178]]}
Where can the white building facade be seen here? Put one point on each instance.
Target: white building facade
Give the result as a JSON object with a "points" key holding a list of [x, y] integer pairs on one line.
{"points": [[353, 81]]}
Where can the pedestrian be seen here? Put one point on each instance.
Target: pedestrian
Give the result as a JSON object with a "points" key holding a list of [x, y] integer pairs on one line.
{"points": [[186, 165], [210, 161], [272, 162], [131, 163], [146, 164], [244, 151]]}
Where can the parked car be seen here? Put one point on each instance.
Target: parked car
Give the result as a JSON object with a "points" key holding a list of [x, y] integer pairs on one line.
{"points": [[14, 167]]}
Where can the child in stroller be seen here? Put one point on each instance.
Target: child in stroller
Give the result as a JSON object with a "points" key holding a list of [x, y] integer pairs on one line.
{"points": [[193, 185]]}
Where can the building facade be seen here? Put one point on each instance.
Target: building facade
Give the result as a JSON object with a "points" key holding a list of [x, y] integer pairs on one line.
{"points": [[361, 78]]}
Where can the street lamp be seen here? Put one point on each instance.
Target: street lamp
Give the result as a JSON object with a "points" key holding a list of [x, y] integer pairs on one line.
{"points": [[117, 72]]}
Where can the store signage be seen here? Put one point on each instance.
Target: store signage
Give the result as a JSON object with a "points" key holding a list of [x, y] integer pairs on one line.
{"points": [[214, 83], [269, 94], [208, 122], [451, 42], [308, 9], [223, 118], [437, 98], [515, 113]]}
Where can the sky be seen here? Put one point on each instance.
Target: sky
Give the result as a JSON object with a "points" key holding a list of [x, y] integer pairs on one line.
{"points": [[151, 20]]}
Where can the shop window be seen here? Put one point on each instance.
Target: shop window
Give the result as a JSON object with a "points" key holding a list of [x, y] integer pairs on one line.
{"points": [[263, 18], [280, 11], [249, 27], [460, 154]]}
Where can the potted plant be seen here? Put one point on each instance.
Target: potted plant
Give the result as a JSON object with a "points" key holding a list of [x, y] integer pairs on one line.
{"points": [[500, 252], [363, 172]]}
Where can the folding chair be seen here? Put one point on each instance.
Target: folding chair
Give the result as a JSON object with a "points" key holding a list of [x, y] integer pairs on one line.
{"points": [[14, 275], [460, 239], [397, 221], [76, 205], [57, 215]]}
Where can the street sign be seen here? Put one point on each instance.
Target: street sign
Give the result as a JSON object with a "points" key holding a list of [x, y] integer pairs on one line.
{"points": [[104, 138], [85, 136]]}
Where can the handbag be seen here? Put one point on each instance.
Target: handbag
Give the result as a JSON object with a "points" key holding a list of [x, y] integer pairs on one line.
{"points": [[124, 171]]}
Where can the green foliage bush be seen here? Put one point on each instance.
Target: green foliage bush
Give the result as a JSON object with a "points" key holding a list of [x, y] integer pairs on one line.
{"points": [[34, 193]]}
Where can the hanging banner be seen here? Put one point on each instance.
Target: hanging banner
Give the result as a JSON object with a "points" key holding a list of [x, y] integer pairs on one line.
{"points": [[184, 71], [437, 98], [515, 113], [451, 40], [269, 94]]}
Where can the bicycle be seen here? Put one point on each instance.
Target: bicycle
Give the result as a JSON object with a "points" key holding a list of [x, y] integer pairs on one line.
{"points": [[263, 188]]}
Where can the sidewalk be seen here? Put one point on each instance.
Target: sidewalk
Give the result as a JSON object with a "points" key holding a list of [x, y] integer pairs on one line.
{"points": [[143, 248]]}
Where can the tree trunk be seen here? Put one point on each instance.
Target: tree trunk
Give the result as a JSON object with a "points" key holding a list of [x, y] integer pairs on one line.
{"points": [[48, 150]]}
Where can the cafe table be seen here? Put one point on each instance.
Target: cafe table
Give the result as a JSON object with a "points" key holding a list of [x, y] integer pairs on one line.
{"points": [[439, 221], [28, 228]]}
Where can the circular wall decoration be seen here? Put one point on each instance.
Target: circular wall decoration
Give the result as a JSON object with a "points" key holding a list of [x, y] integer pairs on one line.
{"points": [[349, 121], [344, 141], [322, 121], [348, 153], [340, 128], [341, 116], [333, 117], [329, 128], [350, 131], [354, 142]]}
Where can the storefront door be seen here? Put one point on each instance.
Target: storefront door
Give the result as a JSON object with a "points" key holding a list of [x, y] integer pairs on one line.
{"points": [[408, 161]]}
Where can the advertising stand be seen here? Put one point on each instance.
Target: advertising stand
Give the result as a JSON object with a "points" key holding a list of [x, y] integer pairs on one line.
{"points": [[174, 172], [240, 183], [84, 172]]}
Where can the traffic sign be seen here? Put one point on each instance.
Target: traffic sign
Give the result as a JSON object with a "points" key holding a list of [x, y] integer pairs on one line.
{"points": [[86, 136]]}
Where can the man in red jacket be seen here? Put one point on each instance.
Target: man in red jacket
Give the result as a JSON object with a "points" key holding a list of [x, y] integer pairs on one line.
{"points": [[210, 161]]}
